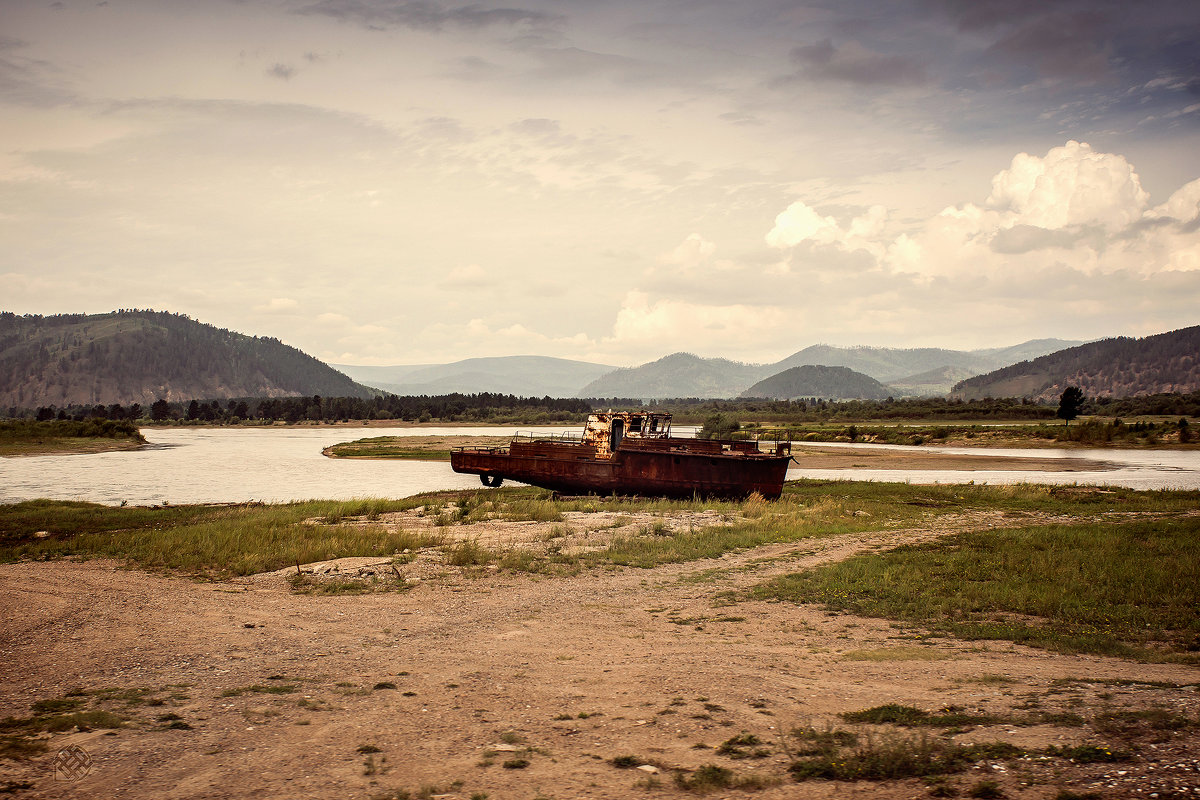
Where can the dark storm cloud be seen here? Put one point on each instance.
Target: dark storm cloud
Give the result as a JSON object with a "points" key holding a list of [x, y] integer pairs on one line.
{"points": [[1081, 39], [1080, 66], [421, 15], [282, 71], [853, 63]]}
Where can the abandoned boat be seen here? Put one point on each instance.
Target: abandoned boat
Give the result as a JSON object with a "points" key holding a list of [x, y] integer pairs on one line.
{"points": [[631, 453]]}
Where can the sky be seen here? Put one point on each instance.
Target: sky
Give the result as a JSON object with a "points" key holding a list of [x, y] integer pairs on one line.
{"points": [[417, 181]]}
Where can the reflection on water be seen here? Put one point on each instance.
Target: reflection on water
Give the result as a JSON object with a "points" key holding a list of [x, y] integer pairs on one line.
{"points": [[205, 465], [1133, 469], [215, 465]]}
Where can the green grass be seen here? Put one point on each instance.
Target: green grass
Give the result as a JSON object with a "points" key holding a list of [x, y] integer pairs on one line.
{"points": [[1123, 589], [20, 437], [386, 447], [894, 757], [224, 541], [211, 541]]}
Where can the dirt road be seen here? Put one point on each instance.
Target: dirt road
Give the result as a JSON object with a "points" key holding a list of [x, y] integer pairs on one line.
{"points": [[520, 686]]}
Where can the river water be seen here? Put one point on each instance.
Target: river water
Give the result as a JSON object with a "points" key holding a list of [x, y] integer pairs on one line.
{"points": [[214, 465]]}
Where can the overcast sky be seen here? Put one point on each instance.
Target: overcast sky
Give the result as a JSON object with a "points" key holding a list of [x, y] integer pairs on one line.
{"points": [[392, 182]]}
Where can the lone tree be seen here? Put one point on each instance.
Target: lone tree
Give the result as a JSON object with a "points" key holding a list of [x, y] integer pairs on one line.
{"points": [[1070, 403]]}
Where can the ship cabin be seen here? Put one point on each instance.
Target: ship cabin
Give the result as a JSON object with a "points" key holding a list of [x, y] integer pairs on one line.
{"points": [[606, 429]]}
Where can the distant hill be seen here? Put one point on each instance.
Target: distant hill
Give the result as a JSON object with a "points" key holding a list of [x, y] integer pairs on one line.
{"points": [[932, 383], [911, 371], [527, 376], [1120, 367], [140, 356], [677, 375], [827, 383]]}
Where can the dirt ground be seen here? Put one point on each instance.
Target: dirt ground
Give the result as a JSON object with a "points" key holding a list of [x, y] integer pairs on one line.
{"points": [[488, 683]]}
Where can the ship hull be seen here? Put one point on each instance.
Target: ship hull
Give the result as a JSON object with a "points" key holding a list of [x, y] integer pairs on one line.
{"points": [[667, 468]]}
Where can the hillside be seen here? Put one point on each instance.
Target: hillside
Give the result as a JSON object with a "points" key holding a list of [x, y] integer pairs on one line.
{"points": [[677, 375], [932, 383], [140, 356], [1120, 367], [888, 363], [527, 376], [828, 383]]}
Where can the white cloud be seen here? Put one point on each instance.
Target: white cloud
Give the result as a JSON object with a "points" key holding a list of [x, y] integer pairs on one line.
{"points": [[799, 223], [277, 305], [691, 252], [1071, 185], [651, 328], [1073, 209]]}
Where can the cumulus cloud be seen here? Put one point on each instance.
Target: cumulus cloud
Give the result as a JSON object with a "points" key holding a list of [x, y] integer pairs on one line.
{"points": [[1071, 185], [1072, 209], [690, 253], [800, 223]]}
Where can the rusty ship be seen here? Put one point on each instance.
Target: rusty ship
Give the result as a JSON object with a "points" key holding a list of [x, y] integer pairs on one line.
{"points": [[631, 453]]}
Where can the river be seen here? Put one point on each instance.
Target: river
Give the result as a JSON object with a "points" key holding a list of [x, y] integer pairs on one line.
{"points": [[214, 465]]}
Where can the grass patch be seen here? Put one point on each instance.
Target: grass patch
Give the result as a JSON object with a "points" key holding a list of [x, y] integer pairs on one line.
{"points": [[901, 653], [908, 716], [712, 777], [28, 437], [1121, 589], [1089, 754], [259, 688], [895, 757], [211, 541]]}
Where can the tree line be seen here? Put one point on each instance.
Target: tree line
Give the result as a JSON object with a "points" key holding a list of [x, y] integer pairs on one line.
{"points": [[487, 407], [483, 407]]}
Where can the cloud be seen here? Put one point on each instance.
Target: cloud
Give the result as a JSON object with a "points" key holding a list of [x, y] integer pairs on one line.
{"points": [[471, 277], [690, 253], [1071, 185], [425, 16], [665, 324], [277, 305], [281, 71], [800, 223], [853, 63], [1072, 209]]}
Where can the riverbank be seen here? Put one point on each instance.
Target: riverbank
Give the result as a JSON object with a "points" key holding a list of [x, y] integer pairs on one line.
{"points": [[590, 648], [66, 437]]}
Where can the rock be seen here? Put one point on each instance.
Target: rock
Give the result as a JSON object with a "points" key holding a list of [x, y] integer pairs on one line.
{"points": [[650, 768], [504, 748], [41, 534]]}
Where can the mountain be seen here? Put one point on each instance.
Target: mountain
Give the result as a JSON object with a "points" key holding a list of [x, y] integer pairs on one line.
{"points": [[676, 375], [528, 376], [1120, 367], [912, 371], [887, 363], [828, 383], [140, 356], [931, 383]]}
